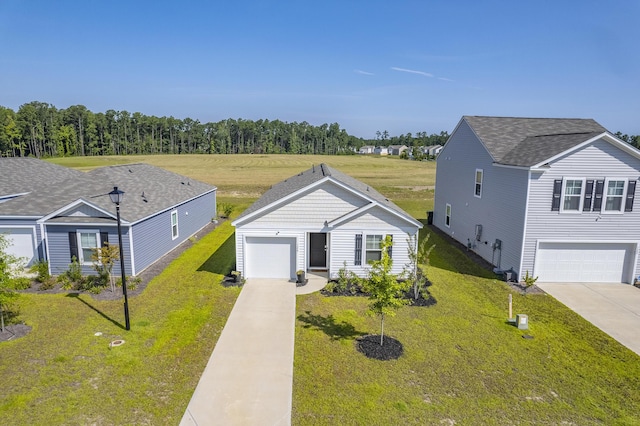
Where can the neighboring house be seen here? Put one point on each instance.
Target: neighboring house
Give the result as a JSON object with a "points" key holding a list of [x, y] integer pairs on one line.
{"points": [[396, 149], [366, 149], [58, 220], [320, 219], [551, 197], [381, 150], [434, 150]]}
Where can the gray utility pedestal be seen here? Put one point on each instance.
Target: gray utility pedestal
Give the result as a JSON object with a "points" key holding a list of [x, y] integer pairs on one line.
{"points": [[522, 321]]}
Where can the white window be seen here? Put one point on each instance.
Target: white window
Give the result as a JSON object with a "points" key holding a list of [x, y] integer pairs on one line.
{"points": [[88, 242], [174, 224], [373, 249], [615, 196], [572, 195], [478, 188], [447, 216]]}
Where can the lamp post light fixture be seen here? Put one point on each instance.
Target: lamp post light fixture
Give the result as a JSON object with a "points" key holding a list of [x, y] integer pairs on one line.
{"points": [[116, 197]]}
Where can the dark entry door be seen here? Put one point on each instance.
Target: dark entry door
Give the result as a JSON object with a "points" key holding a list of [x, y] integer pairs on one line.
{"points": [[318, 250]]}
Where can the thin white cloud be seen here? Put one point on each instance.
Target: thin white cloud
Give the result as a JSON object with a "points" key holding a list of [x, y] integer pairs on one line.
{"points": [[445, 79], [426, 74], [363, 72]]}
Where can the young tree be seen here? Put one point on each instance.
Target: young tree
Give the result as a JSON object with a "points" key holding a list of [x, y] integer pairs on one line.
{"points": [[103, 259], [418, 255], [385, 291], [9, 264]]}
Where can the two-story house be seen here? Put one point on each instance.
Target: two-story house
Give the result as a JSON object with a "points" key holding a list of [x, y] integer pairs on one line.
{"points": [[551, 197]]}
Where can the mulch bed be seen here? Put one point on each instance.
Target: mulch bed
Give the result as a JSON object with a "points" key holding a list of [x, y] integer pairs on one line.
{"points": [[371, 348], [14, 331], [420, 301]]}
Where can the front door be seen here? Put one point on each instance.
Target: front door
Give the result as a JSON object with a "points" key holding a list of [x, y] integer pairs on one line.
{"points": [[317, 250]]}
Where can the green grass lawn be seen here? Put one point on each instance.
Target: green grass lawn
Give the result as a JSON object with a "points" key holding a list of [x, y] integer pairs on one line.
{"points": [[463, 362], [61, 373]]}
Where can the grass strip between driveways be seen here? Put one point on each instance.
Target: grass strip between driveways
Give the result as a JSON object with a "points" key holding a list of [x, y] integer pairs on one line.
{"points": [[61, 373], [463, 363]]}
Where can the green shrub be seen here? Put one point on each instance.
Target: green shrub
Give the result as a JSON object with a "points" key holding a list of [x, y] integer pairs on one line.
{"points": [[47, 284], [19, 283], [65, 282], [225, 209], [41, 267], [74, 273]]}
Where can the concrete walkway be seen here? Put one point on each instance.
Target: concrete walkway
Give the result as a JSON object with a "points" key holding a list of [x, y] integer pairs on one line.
{"points": [[613, 308], [249, 377]]}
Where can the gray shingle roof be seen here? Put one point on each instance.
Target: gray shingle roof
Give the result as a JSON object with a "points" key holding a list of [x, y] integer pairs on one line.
{"points": [[315, 174], [161, 188], [528, 141], [19, 175]]}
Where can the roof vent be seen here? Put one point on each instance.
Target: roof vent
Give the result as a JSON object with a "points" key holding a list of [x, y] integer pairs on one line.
{"points": [[130, 171]]}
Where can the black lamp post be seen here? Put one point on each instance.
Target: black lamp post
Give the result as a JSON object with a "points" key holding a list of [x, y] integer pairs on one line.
{"points": [[116, 197]]}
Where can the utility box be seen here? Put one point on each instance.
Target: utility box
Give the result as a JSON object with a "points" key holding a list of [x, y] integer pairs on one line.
{"points": [[522, 321]]}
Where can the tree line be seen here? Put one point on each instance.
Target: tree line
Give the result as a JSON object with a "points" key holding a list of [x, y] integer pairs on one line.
{"points": [[41, 130]]}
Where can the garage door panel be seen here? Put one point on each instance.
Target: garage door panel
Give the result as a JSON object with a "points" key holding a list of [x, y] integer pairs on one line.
{"points": [[270, 257], [584, 262], [20, 242]]}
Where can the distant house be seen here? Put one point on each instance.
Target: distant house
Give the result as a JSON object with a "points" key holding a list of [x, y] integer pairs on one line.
{"points": [[381, 150], [396, 149], [551, 197], [56, 213], [320, 219], [434, 150], [366, 149]]}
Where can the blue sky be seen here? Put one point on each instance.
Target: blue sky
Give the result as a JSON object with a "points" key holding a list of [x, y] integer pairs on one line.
{"points": [[400, 66]]}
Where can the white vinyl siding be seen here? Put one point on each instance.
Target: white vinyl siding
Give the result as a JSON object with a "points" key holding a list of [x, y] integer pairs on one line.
{"points": [[478, 185], [614, 196], [174, 224]]}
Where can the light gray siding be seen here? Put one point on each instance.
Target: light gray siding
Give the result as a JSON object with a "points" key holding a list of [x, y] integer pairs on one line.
{"points": [[500, 210], [324, 203], [599, 160], [152, 237], [374, 222]]}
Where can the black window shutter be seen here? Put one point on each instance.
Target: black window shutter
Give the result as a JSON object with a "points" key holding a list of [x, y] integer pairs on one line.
{"points": [[104, 238], [631, 192], [557, 191], [73, 246], [588, 196], [390, 248], [597, 200], [358, 253]]}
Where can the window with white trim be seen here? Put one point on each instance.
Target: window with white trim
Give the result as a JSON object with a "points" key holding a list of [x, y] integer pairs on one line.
{"points": [[174, 224], [373, 248], [572, 195], [615, 196], [88, 242], [447, 216], [478, 187]]}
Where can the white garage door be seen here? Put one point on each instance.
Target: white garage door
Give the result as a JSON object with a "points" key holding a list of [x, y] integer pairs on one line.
{"points": [[585, 262], [20, 242], [270, 257]]}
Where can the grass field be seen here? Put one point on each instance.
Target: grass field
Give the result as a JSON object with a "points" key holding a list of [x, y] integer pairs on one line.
{"points": [[243, 178], [463, 364]]}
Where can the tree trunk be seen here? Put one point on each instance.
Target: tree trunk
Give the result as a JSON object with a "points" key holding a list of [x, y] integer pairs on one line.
{"points": [[381, 329]]}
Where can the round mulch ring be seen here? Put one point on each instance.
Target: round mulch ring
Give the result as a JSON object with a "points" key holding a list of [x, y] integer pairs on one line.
{"points": [[14, 331], [371, 348]]}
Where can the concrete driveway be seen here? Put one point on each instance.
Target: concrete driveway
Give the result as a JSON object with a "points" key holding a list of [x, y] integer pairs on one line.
{"points": [[249, 377], [613, 308]]}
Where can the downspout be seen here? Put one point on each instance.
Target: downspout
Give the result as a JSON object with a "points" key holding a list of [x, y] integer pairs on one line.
{"points": [[524, 225]]}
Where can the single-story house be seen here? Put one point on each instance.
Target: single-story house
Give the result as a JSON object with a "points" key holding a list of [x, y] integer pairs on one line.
{"points": [[381, 150], [396, 149], [71, 214], [320, 220], [550, 197], [366, 149]]}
